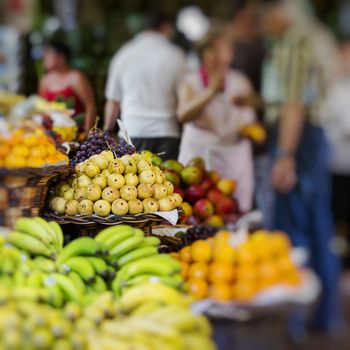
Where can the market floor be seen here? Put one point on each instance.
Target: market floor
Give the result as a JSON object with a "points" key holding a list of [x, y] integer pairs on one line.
{"points": [[271, 332]]}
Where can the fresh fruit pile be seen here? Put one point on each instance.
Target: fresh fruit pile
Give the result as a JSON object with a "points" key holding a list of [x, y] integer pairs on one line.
{"points": [[208, 199], [214, 268], [31, 149], [104, 184], [119, 257], [149, 317], [96, 143]]}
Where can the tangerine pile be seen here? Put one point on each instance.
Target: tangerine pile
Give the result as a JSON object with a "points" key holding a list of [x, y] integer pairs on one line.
{"points": [[214, 268], [31, 149]]}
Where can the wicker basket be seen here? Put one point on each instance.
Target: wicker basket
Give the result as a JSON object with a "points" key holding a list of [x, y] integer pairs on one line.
{"points": [[90, 225], [23, 191]]}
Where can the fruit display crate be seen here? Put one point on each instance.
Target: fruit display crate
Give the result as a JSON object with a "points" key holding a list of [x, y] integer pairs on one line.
{"points": [[23, 191], [90, 225]]}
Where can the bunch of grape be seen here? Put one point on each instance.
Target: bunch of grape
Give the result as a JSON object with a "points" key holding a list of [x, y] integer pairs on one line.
{"points": [[198, 232], [96, 143], [124, 148]]}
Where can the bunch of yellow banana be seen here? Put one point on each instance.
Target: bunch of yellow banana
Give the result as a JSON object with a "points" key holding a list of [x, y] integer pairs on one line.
{"points": [[37, 236], [137, 258]]}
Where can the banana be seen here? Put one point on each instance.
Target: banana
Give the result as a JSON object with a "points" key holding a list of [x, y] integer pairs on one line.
{"points": [[58, 232], [35, 279], [6, 281], [99, 265], [82, 246], [126, 246], [29, 243], [151, 241], [44, 264], [117, 230], [18, 279], [117, 239], [146, 309], [49, 230], [136, 254], [155, 265], [173, 281], [99, 285], [68, 287], [77, 280], [31, 293], [111, 272], [147, 292], [32, 228], [56, 296], [82, 266]]}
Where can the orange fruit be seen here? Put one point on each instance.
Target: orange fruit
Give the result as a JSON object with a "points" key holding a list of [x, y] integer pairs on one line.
{"points": [[38, 151], [279, 242], [50, 149], [222, 236], [246, 254], [51, 159], [210, 240], [174, 255], [221, 272], [198, 270], [197, 287], [20, 150], [35, 162], [14, 161], [31, 140], [201, 251], [224, 253], [246, 273], [268, 274], [220, 292], [4, 150], [243, 291], [184, 269], [185, 254]]}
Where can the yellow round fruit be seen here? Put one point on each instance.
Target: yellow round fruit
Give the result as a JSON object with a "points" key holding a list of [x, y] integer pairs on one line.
{"points": [[38, 151], [31, 140], [201, 251], [221, 292], [4, 150], [50, 149]]}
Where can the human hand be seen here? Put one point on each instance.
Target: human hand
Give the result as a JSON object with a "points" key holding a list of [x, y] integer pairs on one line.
{"points": [[284, 176]]}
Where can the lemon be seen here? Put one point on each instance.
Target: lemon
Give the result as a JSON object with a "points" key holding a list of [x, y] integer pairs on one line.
{"points": [[14, 161], [20, 150]]}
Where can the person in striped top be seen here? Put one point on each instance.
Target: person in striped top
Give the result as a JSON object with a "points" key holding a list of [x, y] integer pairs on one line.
{"points": [[296, 74]]}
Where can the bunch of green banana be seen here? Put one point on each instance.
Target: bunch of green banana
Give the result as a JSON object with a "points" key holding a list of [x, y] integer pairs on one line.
{"points": [[37, 237], [160, 268]]}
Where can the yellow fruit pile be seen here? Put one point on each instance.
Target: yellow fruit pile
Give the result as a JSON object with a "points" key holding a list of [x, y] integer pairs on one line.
{"points": [[67, 133], [31, 149], [213, 268]]}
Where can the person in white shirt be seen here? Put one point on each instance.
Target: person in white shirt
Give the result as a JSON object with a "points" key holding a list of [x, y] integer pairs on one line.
{"points": [[142, 85]]}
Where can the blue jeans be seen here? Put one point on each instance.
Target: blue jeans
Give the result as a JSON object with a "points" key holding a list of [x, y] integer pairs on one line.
{"points": [[305, 214]]}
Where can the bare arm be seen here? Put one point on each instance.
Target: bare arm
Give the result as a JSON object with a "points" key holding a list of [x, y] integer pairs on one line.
{"points": [[191, 104], [111, 112], [83, 89], [290, 130]]}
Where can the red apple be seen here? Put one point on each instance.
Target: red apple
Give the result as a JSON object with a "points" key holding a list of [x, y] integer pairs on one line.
{"points": [[194, 193], [207, 183], [180, 191], [215, 221], [215, 195], [214, 175], [226, 206], [203, 209], [227, 186]]}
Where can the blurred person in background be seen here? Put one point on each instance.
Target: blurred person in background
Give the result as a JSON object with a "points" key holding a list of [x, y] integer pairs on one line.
{"points": [[142, 83], [212, 121], [63, 83], [297, 71], [338, 132]]}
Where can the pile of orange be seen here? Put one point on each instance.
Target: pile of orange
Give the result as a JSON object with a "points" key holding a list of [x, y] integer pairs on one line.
{"points": [[31, 149], [214, 268]]}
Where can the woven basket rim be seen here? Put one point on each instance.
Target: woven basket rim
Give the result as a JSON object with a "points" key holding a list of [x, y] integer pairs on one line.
{"points": [[50, 170], [109, 220]]}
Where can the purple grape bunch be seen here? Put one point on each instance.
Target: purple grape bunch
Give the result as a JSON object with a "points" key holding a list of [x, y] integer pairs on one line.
{"points": [[96, 143], [124, 148]]}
